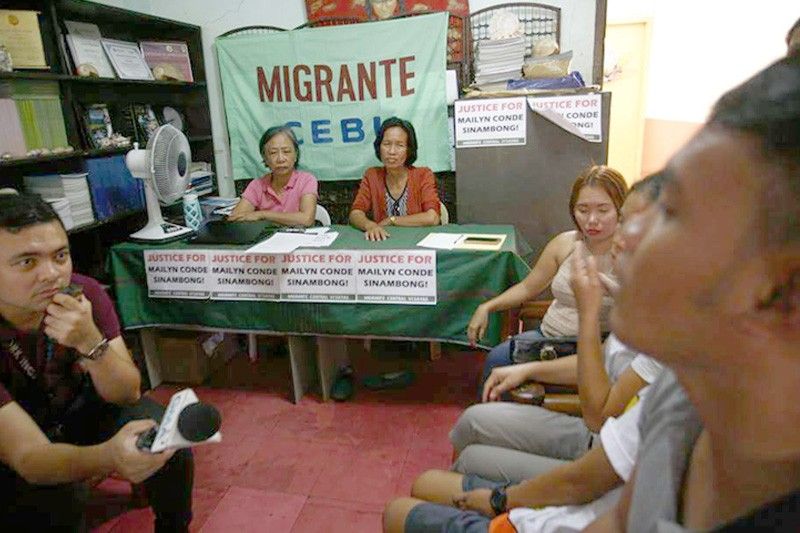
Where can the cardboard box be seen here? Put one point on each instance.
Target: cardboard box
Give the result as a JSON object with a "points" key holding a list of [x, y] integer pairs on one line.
{"points": [[183, 359]]}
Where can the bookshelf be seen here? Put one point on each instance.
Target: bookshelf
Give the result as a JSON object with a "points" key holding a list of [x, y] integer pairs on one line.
{"points": [[76, 93]]}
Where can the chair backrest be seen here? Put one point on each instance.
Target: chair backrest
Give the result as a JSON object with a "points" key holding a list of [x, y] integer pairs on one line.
{"points": [[322, 216], [444, 216]]}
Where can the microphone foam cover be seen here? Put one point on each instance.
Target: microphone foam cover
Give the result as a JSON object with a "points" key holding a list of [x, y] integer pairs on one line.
{"points": [[198, 421]]}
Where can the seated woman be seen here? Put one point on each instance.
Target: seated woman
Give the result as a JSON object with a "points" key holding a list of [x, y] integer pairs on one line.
{"points": [[509, 441], [594, 205], [467, 501], [285, 195], [396, 194]]}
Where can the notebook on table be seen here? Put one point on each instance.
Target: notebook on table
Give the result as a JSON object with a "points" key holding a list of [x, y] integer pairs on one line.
{"points": [[227, 232]]}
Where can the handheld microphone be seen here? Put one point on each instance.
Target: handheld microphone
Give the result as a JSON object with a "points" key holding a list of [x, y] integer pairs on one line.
{"points": [[186, 422]]}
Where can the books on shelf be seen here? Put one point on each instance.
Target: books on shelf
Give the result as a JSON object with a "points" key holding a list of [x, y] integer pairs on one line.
{"points": [[114, 190], [168, 60], [22, 37], [72, 187], [201, 181], [97, 120], [86, 50], [11, 139], [39, 112], [144, 121], [127, 60]]}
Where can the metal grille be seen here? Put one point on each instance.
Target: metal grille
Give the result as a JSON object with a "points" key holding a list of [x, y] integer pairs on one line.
{"points": [[539, 21], [252, 30]]}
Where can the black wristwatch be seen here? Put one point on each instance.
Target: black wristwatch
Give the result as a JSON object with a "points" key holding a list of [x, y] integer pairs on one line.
{"points": [[499, 500]]}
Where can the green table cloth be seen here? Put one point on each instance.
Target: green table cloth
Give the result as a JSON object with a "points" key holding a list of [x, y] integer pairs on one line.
{"points": [[465, 278]]}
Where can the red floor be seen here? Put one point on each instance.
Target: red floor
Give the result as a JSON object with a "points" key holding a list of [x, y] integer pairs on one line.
{"points": [[314, 466]]}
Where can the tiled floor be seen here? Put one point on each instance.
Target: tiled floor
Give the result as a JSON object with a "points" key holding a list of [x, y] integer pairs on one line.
{"points": [[312, 467]]}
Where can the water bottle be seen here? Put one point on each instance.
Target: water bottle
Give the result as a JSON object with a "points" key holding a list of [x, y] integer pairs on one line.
{"points": [[192, 213]]}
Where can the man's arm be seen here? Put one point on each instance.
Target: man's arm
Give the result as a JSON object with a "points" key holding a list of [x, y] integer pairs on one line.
{"points": [[26, 450], [69, 322], [600, 398], [616, 519], [580, 481]]}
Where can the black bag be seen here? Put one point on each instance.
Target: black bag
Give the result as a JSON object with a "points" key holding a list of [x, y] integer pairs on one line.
{"points": [[524, 350]]}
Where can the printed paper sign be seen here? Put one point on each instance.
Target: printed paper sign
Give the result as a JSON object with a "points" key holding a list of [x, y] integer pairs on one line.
{"points": [[177, 273], [238, 276], [399, 276], [318, 277], [581, 114], [495, 122], [340, 276]]}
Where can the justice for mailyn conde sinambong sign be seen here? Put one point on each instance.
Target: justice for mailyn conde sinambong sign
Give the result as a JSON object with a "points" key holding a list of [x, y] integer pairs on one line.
{"points": [[334, 86]]}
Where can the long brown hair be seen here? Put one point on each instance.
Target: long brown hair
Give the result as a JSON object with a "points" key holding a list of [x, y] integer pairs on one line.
{"points": [[605, 177]]}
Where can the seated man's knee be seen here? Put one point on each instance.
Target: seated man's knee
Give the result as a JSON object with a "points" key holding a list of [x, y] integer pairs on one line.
{"points": [[396, 512], [463, 433]]}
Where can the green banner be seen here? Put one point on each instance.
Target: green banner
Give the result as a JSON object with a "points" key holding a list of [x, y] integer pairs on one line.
{"points": [[334, 85]]}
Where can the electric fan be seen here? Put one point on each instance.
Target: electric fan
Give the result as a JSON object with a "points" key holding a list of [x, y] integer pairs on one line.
{"points": [[164, 168]]}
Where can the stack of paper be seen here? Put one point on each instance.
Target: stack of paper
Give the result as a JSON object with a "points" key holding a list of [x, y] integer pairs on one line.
{"points": [[499, 60], [284, 242], [71, 187], [61, 207]]}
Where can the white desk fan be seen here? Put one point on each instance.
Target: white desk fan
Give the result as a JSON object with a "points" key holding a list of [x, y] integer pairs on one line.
{"points": [[164, 167]]}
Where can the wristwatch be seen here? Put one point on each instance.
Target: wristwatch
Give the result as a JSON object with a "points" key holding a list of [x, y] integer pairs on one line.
{"points": [[498, 500], [99, 349], [393, 219]]}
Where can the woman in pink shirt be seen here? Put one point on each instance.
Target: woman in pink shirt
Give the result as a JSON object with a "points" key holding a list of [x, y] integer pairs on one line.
{"points": [[285, 195]]}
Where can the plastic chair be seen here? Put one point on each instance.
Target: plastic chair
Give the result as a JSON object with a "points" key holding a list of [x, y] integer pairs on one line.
{"points": [[322, 216], [444, 215]]}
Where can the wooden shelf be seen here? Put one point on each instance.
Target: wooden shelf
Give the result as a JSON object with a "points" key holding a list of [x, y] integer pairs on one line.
{"points": [[98, 223], [23, 75], [32, 75], [77, 154], [199, 138]]}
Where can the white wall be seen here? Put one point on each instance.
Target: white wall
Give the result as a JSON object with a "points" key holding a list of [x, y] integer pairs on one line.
{"points": [[701, 49]]}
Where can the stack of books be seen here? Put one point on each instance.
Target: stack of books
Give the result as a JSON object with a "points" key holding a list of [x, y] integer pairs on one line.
{"points": [[70, 187], [201, 181], [39, 113], [499, 60], [11, 139]]}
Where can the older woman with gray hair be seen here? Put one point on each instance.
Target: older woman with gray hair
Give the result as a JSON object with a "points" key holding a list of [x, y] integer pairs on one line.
{"points": [[284, 195]]}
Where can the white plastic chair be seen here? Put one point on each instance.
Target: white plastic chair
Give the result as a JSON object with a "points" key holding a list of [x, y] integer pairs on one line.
{"points": [[444, 216], [322, 216]]}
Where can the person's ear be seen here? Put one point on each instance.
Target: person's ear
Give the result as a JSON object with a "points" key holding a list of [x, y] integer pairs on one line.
{"points": [[777, 309]]}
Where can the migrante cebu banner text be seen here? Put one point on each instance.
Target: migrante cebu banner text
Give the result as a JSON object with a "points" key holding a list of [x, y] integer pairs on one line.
{"points": [[334, 86]]}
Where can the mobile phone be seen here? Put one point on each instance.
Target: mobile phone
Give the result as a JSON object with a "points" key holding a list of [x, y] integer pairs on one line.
{"points": [[73, 289]]}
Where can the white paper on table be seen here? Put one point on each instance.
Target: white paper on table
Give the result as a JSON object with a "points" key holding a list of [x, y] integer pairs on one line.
{"points": [[318, 230], [322, 240], [440, 241], [282, 243]]}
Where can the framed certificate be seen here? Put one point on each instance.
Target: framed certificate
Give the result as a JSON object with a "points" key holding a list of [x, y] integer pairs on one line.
{"points": [[20, 34], [127, 60]]}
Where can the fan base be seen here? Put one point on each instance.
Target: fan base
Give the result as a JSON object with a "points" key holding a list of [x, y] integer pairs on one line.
{"points": [[163, 232]]}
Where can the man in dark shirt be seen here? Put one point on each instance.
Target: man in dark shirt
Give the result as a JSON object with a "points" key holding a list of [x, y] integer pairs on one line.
{"points": [[70, 407], [713, 290]]}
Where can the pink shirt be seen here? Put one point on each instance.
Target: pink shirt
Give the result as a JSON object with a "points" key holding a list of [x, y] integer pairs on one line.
{"points": [[263, 197]]}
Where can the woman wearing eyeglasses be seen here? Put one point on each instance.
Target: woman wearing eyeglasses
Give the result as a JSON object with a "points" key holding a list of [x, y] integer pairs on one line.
{"points": [[398, 193]]}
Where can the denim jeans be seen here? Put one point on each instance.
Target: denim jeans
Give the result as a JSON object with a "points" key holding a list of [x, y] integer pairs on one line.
{"points": [[500, 355]]}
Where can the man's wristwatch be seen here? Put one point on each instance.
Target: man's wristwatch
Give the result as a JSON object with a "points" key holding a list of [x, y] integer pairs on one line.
{"points": [[99, 349], [499, 500], [393, 220]]}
